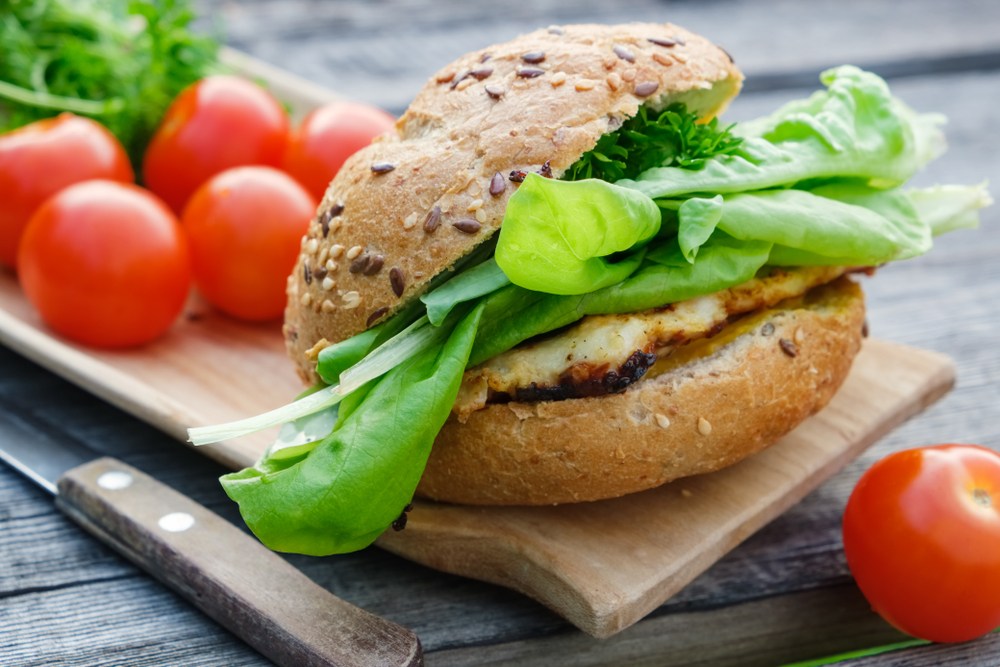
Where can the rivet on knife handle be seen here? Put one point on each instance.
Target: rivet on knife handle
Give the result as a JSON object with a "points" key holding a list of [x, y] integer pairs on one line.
{"points": [[227, 574]]}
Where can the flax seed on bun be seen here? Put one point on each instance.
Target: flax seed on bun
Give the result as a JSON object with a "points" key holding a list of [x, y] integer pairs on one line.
{"points": [[413, 203]]}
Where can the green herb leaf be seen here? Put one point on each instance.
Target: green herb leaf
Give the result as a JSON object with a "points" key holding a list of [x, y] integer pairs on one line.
{"points": [[120, 62], [671, 137]]}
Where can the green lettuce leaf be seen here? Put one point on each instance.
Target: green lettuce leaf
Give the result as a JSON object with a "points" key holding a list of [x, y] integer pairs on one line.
{"points": [[557, 236], [347, 489], [468, 285], [854, 129]]}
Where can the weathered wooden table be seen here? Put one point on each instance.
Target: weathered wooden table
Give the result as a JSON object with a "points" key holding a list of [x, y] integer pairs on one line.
{"points": [[785, 594]]}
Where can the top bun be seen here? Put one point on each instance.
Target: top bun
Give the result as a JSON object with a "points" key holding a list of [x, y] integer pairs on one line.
{"points": [[413, 203]]}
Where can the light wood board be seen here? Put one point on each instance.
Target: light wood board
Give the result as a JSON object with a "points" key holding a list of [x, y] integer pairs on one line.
{"points": [[602, 566]]}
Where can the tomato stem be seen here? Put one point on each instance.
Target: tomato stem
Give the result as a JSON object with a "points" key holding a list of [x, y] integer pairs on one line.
{"points": [[982, 497]]}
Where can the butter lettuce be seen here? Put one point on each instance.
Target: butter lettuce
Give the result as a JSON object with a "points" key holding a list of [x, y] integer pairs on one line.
{"points": [[853, 130], [559, 236]]}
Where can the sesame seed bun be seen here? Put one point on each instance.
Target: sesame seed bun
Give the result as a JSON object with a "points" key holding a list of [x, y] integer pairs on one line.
{"points": [[413, 203]]}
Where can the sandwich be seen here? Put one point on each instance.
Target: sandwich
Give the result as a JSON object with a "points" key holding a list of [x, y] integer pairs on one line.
{"points": [[563, 279]]}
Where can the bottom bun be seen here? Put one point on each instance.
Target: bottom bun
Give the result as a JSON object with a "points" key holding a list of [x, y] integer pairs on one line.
{"points": [[705, 407]]}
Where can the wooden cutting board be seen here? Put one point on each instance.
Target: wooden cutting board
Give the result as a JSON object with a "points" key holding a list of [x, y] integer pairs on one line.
{"points": [[601, 565]]}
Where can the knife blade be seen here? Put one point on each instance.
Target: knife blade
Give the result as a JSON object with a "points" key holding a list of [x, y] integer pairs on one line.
{"points": [[226, 573]]}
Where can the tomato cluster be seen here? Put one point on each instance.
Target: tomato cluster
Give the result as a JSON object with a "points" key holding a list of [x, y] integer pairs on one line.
{"points": [[230, 187]]}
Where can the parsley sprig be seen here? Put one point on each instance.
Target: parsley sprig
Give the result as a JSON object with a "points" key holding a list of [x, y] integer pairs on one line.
{"points": [[120, 62], [672, 137]]}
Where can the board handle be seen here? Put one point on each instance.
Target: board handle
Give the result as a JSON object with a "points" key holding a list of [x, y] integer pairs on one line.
{"points": [[228, 574]]}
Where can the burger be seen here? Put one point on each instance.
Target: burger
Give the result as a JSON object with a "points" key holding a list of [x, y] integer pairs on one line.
{"points": [[562, 279]]}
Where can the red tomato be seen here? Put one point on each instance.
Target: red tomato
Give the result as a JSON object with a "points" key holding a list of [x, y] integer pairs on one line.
{"points": [[105, 264], [922, 538], [245, 227], [41, 158], [216, 123], [328, 136]]}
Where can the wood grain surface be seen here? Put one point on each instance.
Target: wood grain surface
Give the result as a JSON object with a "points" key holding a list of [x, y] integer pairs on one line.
{"points": [[604, 565], [783, 595], [224, 572]]}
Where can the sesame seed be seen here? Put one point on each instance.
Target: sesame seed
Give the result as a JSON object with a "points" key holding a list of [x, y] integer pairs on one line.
{"points": [[327, 306], [497, 184], [481, 73], [546, 169], [475, 205], [629, 75], [306, 299], [486, 56], [533, 57], [555, 30], [324, 252], [517, 176], [704, 426], [336, 250], [646, 88], [382, 168], [481, 215], [624, 53], [767, 329], [410, 221], [328, 284], [397, 280], [351, 299], [663, 59], [354, 252], [609, 62], [494, 91], [679, 58], [584, 84], [463, 84], [330, 214], [662, 420], [335, 225], [312, 246], [331, 266], [558, 79], [432, 220], [319, 273], [614, 81], [445, 77], [467, 226]]}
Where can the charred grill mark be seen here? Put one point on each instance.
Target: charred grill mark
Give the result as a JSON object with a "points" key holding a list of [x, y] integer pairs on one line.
{"points": [[583, 380]]}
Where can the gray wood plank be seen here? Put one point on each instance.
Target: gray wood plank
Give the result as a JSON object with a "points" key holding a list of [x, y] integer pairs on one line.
{"points": [[65, 599], [383, 51]]}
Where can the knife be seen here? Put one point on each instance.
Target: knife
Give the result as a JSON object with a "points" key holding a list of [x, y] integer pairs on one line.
{"points": [[226, 573]]}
